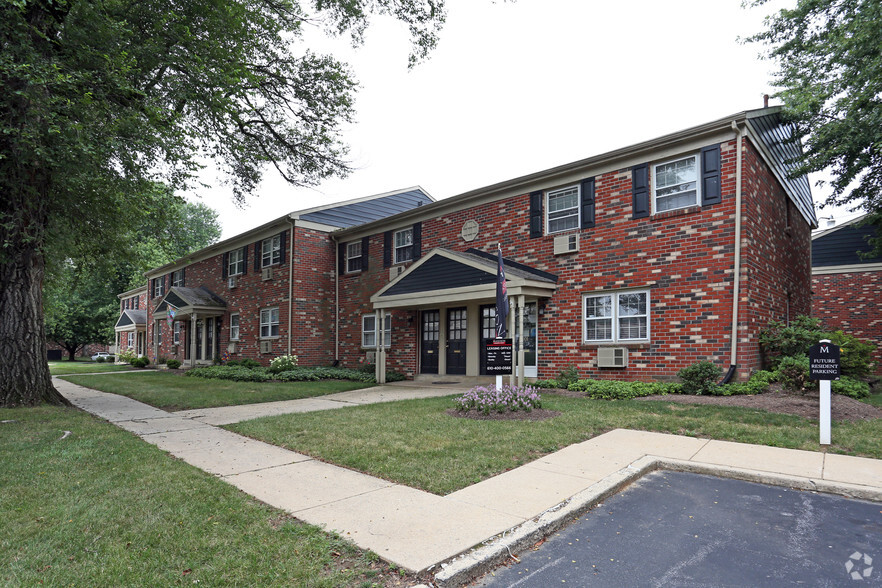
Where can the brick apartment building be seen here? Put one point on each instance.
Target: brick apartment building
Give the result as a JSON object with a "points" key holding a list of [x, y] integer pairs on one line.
{"points": [[628, 265], [846, 285]]}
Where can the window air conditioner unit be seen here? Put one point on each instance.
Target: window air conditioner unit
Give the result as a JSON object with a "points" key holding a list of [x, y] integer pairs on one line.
{"points": [[266, 346], [395, 271], [612, 357], [232, 281], [370, 357], [266, 273], [566, 244]]}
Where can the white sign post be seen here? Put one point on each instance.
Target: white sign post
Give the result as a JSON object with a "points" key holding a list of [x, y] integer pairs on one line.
{"points": [[824, 367]]}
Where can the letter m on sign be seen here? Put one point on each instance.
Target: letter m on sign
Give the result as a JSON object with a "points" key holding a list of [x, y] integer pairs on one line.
{"points": [[825, 349]]}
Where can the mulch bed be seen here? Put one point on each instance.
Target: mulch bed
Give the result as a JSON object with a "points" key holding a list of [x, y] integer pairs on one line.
{"points": [[537, 414], [843, 407]]}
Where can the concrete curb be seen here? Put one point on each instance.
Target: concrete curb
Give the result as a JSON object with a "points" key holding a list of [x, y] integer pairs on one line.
{"points": [[469, 566]]}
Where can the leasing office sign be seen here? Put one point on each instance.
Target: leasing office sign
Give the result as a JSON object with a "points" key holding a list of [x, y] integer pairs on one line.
{"points": [[499, 353]]}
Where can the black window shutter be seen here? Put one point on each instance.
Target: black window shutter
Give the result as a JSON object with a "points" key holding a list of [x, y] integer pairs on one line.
{"points": [[535, 214], [640, 190], [257, 255], [365, 245], [417, 241], [341, 258], [387, 249], [183, 276], [245, 260], [588, 203], [282, 247], [710, 176], [152, 288]]}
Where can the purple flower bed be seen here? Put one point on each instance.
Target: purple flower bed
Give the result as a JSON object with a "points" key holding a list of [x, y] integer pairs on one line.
{"points": [[485, 399]]}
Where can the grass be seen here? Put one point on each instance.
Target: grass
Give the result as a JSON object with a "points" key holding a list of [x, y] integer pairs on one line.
{"points": [[417, 444], [58, 368], [170, 391], [100, 507]]}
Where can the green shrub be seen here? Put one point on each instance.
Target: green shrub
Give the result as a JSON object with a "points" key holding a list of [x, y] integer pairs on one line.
{"points": [[173, 364], [700, 378], [283, 363], [793, 373], [546, 384], [100, 359], [127, 356], [239, 373], [855, 356], [614, 390], [140, 362], [368, 368], [757, 384], [567, 376], [161, 360], [234, 373], [393, 376], [233, 363], [779, 341], [250, 363], [848, 386]]}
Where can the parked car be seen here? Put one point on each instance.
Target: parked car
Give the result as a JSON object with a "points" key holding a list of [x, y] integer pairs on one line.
{"points": [[103, 354]]}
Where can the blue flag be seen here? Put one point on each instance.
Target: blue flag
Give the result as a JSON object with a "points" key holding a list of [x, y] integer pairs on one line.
{"points": [[501, 300]]}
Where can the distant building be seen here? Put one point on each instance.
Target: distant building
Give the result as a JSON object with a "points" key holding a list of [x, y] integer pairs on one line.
{"points": [[847, 286]]}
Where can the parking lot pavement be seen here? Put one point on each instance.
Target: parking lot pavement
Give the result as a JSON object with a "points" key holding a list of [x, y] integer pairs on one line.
{"points": [[682, 529]]}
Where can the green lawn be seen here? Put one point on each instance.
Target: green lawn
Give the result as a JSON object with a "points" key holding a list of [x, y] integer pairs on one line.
{"points": [[173, 391], [58, 368], [103, 508], [417, 444]]}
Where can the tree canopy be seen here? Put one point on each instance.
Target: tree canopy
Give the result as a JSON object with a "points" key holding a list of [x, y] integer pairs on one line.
{"points": [[102, 98], [830, 80]]}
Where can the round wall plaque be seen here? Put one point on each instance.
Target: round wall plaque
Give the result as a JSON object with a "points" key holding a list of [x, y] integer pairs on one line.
{"points": [[469, 230]]}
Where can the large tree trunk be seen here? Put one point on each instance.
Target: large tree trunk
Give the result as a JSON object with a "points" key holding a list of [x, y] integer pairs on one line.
{"points": [[24, 370]]}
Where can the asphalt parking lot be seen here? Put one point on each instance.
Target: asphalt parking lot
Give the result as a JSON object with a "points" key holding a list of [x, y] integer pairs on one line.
{"points": [[680, 529]]}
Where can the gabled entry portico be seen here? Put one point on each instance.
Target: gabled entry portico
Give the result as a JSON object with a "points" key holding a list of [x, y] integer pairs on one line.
{"points": [[453, 291], [203, 310]]}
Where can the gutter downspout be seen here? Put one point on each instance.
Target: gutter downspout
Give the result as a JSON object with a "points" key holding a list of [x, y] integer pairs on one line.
{"points": [[290, 280], [736, 286], [336, 300]]}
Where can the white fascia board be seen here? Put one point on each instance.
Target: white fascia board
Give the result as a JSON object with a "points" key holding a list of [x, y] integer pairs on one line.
{"points": [[847, 269]]}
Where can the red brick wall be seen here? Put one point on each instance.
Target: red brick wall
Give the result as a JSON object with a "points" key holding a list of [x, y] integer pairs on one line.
{"points": [[851, 302], [684, 257]]}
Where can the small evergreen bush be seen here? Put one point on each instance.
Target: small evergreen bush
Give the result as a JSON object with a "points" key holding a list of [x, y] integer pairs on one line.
{"points": [[700, 378], [173, 364], [100, 359], [793, 373], [233, 363], [567, 376], [140, 362], [250, 363]]}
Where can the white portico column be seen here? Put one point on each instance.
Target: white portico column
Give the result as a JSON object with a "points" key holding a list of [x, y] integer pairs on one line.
{"points": [[521, 306], [192, 339], [512, 313], [380, 339]]}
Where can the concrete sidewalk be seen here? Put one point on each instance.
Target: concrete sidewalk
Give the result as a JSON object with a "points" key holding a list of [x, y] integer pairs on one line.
{"points": [[509, 512]]}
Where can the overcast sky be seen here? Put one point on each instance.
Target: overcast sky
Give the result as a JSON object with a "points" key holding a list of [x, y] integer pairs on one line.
{"points": [[515, 88]]}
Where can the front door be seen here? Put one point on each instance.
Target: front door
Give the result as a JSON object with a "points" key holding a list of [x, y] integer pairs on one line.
{"points": [[456, 341], [488, 331], [431, 329], [199, 325]]}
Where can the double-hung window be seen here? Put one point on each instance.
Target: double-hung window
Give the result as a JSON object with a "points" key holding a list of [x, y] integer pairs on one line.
{"points": [[269, 323], [403, 245], [236, 262], [271, 251], [158, 287], [353, 257], [563, 209], [675, 184], [369, 331], [234, 327], [178, 278], [176, 333], [617, 317]]}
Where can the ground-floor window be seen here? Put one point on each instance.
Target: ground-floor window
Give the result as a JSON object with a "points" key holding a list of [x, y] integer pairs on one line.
{"points": [[176, 333], [269, 322], [369, 331], [234, 327], [617, 316], [131, 340]]}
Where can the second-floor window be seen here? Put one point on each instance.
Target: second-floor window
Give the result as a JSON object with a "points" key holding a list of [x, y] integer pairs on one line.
{"points": [[236, 264], [403, 245], [178, 278], [353, 256], [563, 209], [271, 251], [158, 287], [675, 184]]}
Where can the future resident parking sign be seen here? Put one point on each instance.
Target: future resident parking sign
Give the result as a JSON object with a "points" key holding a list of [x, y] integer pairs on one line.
{"points": [[824, 361]]}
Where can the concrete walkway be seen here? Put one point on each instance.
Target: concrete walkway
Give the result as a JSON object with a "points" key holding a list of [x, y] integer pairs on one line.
{"points": [[463, 533]]}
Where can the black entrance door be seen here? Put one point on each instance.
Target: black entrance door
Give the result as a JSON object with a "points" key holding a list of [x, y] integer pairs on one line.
{"points": [[488, 331], [431, 329], [456, 341]]}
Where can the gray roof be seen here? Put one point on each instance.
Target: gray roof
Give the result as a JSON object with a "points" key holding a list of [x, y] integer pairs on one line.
{"points": [[365, 211], [137, 318], [181, 297], [777, 138]]}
